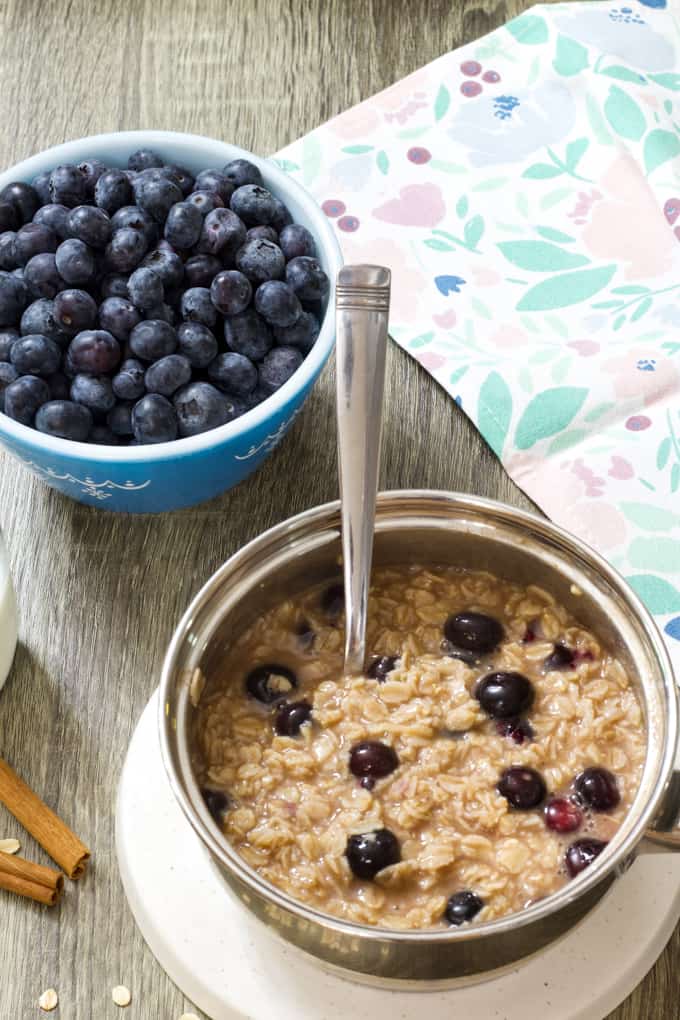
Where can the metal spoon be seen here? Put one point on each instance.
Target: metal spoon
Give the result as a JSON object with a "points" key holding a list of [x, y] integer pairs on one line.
{"points": [[362, 304]]}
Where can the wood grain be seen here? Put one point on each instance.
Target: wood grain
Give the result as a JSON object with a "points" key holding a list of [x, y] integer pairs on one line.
{"points": [[99, 594]]}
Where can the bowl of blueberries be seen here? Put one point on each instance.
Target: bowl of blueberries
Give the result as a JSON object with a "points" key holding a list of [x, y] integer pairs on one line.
{"points": [[166, 304]]}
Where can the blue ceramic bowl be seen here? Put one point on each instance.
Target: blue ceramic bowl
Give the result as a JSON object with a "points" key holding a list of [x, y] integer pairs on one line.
{"points": [[149, 479]]}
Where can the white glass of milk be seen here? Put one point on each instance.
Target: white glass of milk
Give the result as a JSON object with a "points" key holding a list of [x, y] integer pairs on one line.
{"points": [[8, 616]]}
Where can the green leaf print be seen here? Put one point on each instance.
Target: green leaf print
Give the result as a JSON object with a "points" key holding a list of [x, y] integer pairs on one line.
{"points": [[442, 102], [663, 453], [554, 198], [286, 165], [473, 231], [566, 289], [437, 245], [560, 370], [540, 256], [311, 158], [675, 477], [462, 206], [480, 308], [548, 413], [417, 132], [630, 288], [668, 80], [447, 168], [597, 123], [598, 411], [551, 234], [650, 518], [422, 340], [458, 374], [660, 146], [491, 185], [641, 309], [494, 411], [624, 114], [575, 150], [662, 554], [657, 594], [382, 162], [570, 56], [622, 73], [541, 172], [567, 439], [529, 29], [357, 150]]}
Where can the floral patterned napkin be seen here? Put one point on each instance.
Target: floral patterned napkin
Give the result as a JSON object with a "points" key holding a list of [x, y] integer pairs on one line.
{"points": [[525, 191]]}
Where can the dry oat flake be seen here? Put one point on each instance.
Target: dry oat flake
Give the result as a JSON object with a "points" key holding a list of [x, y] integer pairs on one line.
{"points": [[121, 995], [49, 1000], [9, 846]]}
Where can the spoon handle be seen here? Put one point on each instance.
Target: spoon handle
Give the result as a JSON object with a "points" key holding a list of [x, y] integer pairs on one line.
{"points": [[362, 308]]}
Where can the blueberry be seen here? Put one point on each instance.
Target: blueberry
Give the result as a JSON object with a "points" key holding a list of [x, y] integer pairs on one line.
{"points": [[270, 683], [67, 186], [90, 225], [156, 196], [119, 316], [217, 804], [154, 420], [561, 657], [295, 240], [114, 285], [196, 305], [381, 665], [75, 310], [36, 355], [369, 852], [473, 632], [91, 170], [128, 382], [94, 391], [562, 815], [262, 233], [581, 854], [24, 397], [201, 407], [166, 375], [233, 373], [112, 191], [281, 217], [242, 171], [205, 201], [34, 239], [9, 219], [167, 264], [276, 302], [55, 217], [523, 788], [291, 716], [144, 159], [153, 339], [596, 787], [9, 259], [41, 276], [126, 249], [230, 292], [504, 694], [23, 198], [248, 334], [13, 297], [462, 907], [103, 436], [305, 634], [222, 234], [253, 204], [65, 420], [41, 186], [333, 601], [302, 334], [75, 262], [94, 351], [145, 288], [372, 758], [7, 338], [183, 225], [119, 419], [183, 178], [278, 366], [260, 260], [216, 182], [197, 343], [39, 318], [306, 277], [133, 216], [517, 729], [163, 312], [59, 386], [201, 270], [8, 375]]}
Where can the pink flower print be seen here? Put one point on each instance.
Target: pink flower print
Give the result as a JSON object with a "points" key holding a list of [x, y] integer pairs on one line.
{"points": [[418, 205], [431, 361], [599, 523], [485, 276], [593, 485], [360, 121], [410, 288], [447, 319], [508, 337], [586, 348], [621, 468], [641, 380], [584, 204]]}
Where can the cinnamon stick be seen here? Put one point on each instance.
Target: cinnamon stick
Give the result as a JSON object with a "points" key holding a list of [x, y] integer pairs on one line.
{"points": [[18, 867], [54, 836], [32, 891]]}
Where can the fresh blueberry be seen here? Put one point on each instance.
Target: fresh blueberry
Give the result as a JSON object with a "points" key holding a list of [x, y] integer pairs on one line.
{"points": [[23, 197], [145, 288], [595, 786], [295, 240], [144, 159], [473, 632], [248, 334], [128, 382], [205, 201], [201, 407], [306, 277], [369, 852], [381, 664], [167, 264], [76, 262], [523, 788], [262, 233], [119, 316], [276, 302], [90, 225], [278, 366], [201, 270], [196, 306], [230, 293], [153, 339], [183, 178], [197, 343], [59, 385], [91, 170], [517, 729], [94, 351], [65, 420], [581, 854], [462, 907], [41, 186], [281, 217], [75, 310], [183, 226], [34, 239], [253, 204], [154, 420], [36, 355], [13, 298], [156, 196], [562, 815], [270, 683], [291, 716], [8, 375], [55, 217], [302, 334], [9, 260], [112, 191], [7, 338], [125, 250], [9, 220], [164, 312], [504, 694], [119, 419], [333, 601], [260, 260], [372, 759], [67, 186], [94, 391], [133, 216], [222, 234], [24, 397], [103, 436], [39, 318], [561, 657], [233, 373], [216, 182], [114, 285], [41, 276], [240, 172], [166, 375]]}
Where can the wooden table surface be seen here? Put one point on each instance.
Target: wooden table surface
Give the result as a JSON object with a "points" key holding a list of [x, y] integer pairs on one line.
{"points": [[100, 594]]}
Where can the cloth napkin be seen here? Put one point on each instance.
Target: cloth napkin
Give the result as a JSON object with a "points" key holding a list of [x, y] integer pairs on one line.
{"points": [[525, 191]]}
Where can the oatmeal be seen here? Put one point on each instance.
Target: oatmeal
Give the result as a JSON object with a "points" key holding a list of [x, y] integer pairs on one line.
{"points": [[489, 754]]}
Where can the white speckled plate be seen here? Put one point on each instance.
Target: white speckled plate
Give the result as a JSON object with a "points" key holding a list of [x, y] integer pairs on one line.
{"points": [[231, 967]]}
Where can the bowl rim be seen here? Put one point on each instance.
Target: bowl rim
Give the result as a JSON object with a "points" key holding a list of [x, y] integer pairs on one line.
{"points": [[78, 149]]}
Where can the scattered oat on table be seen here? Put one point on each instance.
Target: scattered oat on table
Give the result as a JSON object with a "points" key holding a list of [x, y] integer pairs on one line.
{"points": [[49, 1000], [9, 846], [121, 995]]}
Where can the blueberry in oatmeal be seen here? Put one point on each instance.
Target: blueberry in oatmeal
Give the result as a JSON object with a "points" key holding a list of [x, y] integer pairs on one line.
{"points": [[462, 907], [371, 852], [291, 716], [270, 683]]}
